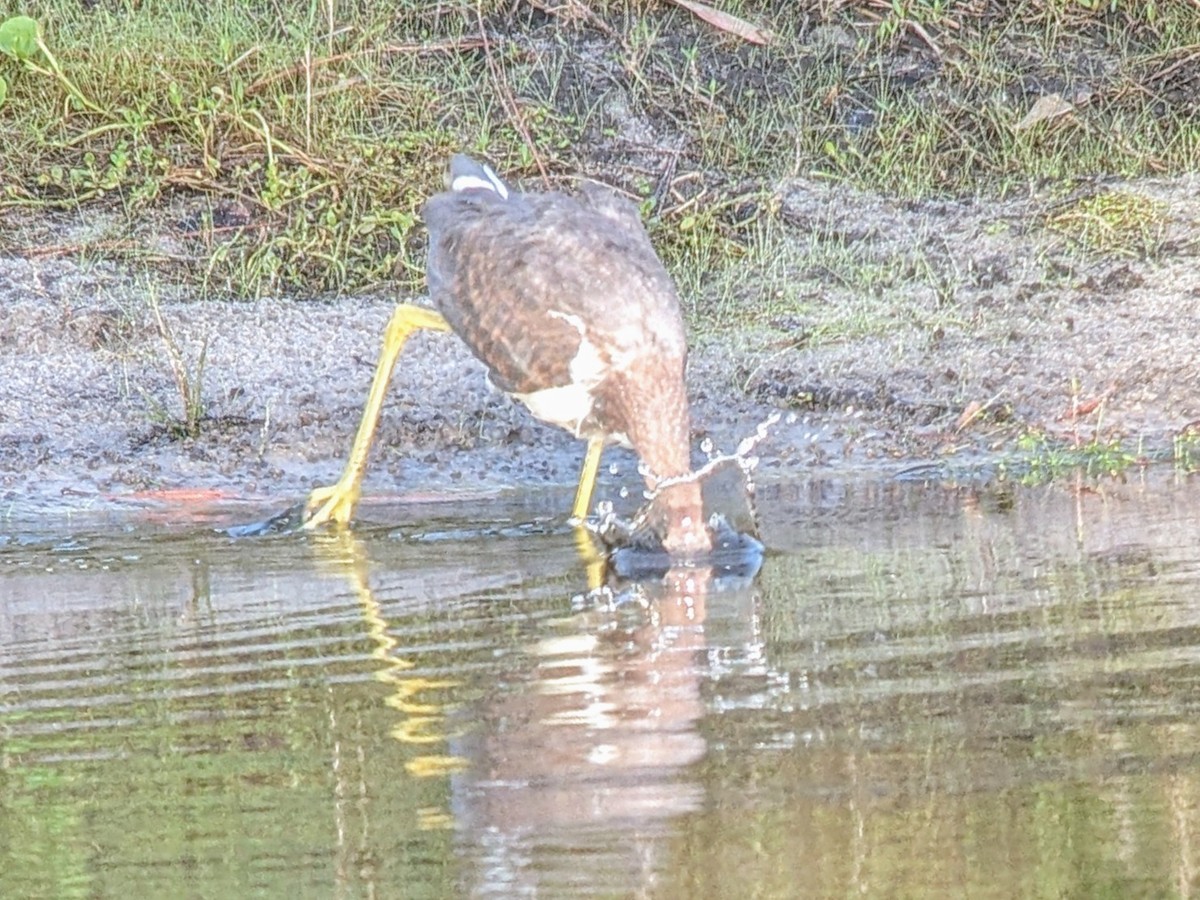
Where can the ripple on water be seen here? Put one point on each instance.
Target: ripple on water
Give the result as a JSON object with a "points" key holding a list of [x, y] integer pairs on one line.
{"points": [[928, 690]]}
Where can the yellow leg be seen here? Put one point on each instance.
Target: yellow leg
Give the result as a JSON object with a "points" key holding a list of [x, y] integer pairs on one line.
{"points": [[336, 503], [587, 478], [595, 563]]}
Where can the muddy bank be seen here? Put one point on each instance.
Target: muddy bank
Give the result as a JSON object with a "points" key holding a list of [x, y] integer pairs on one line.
{"points": [[1038, 337], [92, 408]]}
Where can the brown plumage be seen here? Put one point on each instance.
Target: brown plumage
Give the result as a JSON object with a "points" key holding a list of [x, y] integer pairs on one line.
{"points": [[565, 301]]}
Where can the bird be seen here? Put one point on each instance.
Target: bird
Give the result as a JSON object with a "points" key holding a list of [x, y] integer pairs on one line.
{"points": [[565, 301]]}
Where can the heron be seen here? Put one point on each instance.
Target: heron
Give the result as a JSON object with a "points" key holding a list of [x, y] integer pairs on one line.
{"points": [[565, 301]]}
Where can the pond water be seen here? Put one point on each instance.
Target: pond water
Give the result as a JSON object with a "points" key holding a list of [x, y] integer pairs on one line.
{"points": [[927, 691]]}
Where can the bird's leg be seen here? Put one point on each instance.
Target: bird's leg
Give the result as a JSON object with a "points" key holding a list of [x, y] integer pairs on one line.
{"points": [[593, 561], [587, 478], [336, 502]]}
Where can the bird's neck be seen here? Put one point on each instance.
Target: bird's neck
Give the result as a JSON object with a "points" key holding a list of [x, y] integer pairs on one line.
{"points": [[677, 513]]}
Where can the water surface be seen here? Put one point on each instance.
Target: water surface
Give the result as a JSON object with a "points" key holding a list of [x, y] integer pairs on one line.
{"points": [[928, 691]]}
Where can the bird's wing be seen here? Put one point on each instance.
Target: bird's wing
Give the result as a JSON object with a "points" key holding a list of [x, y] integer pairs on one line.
{"points": [[545, 290]]}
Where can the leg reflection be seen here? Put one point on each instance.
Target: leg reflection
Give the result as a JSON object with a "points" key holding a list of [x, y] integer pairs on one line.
{"points": [[414, 696], [569, 746]]}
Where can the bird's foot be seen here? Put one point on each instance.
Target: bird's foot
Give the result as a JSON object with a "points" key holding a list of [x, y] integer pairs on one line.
{"points": [[332, 504]]}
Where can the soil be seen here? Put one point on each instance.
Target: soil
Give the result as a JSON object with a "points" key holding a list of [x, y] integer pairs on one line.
{"points": [[1042, 338]]}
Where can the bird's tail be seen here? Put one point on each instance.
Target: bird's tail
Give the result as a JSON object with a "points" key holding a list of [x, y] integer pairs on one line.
{"points": [[468, 175]]}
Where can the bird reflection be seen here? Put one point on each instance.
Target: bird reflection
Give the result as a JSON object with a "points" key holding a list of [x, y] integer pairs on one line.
{"points": [[590, 734], [415, 697], [600, 723]]}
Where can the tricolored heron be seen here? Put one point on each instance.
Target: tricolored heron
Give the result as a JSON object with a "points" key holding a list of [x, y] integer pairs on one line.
{"points": [[565, 301]]}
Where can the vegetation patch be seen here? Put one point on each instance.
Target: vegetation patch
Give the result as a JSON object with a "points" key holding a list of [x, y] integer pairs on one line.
{"points": [[256, 149], [1041, 457], [1112, 223]]}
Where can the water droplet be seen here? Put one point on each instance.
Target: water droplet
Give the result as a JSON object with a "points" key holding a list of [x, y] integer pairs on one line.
{"points": [[624, 492], [614, 469], [707, 446]]}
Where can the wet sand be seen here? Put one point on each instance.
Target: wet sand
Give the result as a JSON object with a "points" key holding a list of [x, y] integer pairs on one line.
{"points": [[91, 407]]}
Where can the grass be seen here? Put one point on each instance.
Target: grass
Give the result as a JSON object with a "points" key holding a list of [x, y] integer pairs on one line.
{"points": [[1112, 223], [1041, 458], [187, 373], [1038, 458], [288, 146], [244, 148]]}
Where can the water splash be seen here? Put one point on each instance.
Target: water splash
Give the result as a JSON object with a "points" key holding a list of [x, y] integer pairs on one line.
{"points": [[741, 457], [640, 542]]}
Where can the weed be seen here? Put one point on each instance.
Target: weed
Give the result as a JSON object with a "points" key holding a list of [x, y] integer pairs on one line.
{"points": [[188, 376], [1119, 223], [1185, 449], [1040, 458], [21, 39]]}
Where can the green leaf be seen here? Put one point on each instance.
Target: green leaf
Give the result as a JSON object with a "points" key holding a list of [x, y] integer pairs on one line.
{"points": [[19, 37], [3, 89]]}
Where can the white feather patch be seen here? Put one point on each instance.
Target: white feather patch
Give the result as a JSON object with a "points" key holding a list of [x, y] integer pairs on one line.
{"points": [[565, 406], [568, 405], [588, 366], [491, 182]]}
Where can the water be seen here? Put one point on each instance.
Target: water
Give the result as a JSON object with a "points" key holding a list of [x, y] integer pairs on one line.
{"points": [[928, 691]]}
